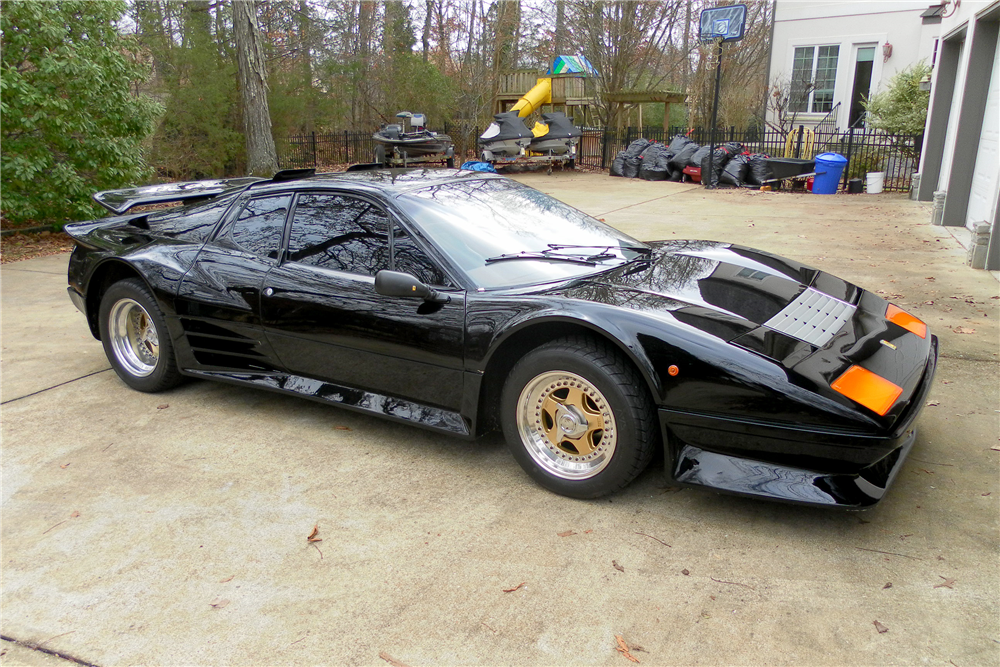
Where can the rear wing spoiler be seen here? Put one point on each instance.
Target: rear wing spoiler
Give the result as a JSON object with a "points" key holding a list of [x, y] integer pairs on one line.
{"points": [[119, 201]]}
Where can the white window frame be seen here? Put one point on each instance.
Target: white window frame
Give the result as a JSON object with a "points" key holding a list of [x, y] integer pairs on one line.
{"points": [[810, 96]]}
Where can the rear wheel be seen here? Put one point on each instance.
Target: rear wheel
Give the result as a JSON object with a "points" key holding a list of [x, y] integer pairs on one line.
{"points": [[135, 338], [578, 418], [450, 163]]}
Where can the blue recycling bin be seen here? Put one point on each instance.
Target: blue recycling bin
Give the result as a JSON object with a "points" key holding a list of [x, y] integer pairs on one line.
{"points": [[829, 168]]}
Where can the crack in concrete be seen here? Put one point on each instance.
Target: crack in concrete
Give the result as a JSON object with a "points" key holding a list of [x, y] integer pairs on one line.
{"points": [[959, 357], [40, 391], [672, 194], [38, 647], [47, 273]]}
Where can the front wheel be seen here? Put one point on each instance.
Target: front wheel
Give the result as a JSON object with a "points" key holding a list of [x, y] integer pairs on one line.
{"points": [[578, 419], [135, 338]]}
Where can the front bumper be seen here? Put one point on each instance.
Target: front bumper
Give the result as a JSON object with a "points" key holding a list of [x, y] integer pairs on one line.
{"points": [[801, 469]]}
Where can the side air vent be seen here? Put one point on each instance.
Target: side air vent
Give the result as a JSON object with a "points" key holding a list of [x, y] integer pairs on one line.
{"points": [[812, 317]]}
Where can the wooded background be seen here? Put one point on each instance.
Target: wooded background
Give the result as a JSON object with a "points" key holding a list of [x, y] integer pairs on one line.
{"points": [[333, 65]]}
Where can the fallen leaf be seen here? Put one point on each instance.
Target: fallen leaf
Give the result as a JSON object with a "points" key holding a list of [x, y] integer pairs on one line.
{"points": [[74, 514], [227, 579], [750, 225], [986, 494], [931, 404], [566, 533], [590, 530], [685, 572], [64, 466], [618, 567], [946, 583], [312, 536], [964, 330], [391, 660], [623, 649], [995, 448], [930, 278], [162, 406], [219, 603], [881, 628], [888, 585], [342, 428], [511, 590]]}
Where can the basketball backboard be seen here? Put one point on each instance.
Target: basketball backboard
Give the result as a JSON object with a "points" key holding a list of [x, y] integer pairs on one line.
{"points": [[725, 22]]}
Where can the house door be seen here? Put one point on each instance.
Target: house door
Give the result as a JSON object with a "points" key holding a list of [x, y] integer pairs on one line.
{"points": [[863, 65]]}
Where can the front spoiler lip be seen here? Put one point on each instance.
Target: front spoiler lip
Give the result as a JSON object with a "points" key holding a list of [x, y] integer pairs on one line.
{"points": [[77, 299], [770, 481]]}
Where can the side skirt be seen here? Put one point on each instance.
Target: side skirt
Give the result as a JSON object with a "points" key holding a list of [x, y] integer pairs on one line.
{"points": [[397, 409]]}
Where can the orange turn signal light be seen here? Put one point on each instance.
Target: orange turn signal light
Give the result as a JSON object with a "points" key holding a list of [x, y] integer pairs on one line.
{"points": [[899, 316], [870, 390]]}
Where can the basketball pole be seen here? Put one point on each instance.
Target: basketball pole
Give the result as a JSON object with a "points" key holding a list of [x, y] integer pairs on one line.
{"points": [[706, 179]]}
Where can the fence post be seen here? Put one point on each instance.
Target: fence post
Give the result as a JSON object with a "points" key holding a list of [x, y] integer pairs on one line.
{"points": [[732, 132], [314, 149], [798, 142], [346, 148], [604, 148], [847, 165]]}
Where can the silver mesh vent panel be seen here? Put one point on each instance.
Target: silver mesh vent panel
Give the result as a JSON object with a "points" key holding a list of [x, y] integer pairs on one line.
{"points": [[813, 317]]}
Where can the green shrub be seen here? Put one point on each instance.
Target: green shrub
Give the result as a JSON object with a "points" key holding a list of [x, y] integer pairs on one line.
{"points": [[70, 122]]}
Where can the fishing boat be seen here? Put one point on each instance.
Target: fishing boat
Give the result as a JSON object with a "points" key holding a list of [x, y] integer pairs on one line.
{"points": [[410, 141]]}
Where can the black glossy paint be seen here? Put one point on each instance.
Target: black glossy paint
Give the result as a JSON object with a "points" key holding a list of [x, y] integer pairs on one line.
{"points": [[750, 411]]}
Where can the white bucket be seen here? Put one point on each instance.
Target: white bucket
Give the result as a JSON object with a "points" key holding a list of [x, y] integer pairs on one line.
{"points": [[874, 181]]}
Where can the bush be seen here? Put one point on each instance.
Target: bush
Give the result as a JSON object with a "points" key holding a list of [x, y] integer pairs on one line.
{"points": [[902, 107], [70, 122]]}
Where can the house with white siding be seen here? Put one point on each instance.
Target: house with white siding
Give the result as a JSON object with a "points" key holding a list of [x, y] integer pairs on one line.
{"points": [[834, 54]]}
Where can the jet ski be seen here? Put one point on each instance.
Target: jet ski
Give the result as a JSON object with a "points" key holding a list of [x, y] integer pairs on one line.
{"points": [[555, 135], [506, 137], [410, 139]]}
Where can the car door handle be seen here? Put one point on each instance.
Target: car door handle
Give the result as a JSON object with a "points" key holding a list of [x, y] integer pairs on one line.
{"points": [[268, 291]]}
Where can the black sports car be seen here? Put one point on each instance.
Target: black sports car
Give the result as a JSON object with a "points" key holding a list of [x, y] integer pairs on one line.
{"points": [[459, 301]]}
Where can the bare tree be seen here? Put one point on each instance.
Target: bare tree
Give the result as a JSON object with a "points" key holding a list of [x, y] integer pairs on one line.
{"points": [[262, 159]]}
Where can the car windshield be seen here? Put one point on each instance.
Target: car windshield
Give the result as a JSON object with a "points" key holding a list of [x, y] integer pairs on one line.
{"points": [[504, 234]]}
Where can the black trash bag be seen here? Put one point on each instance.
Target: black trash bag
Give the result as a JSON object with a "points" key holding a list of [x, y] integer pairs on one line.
{"points": [[698, 157], [736, 171], [636, 148], [734, 147], [720, 157], [631, 167], [654, 163], [677, 143], [618, 164], [676, 175], [760, 170], [683, 156]]}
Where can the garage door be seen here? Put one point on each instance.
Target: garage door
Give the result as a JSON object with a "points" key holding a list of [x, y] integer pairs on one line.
{"points": [[983, 194]]}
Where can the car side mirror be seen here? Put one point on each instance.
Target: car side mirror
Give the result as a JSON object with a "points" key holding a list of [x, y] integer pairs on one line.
{"points": [[394, 283]]}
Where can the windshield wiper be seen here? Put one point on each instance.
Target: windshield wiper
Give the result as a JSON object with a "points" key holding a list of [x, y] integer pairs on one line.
{"points": [[590, 260], [549, 257]]}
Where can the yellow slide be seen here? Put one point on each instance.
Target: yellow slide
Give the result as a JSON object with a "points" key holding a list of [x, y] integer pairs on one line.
{"points": [[534, 98], [540, 94]]}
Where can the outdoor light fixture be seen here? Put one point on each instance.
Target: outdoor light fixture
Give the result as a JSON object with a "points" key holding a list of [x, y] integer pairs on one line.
{"points": [[886, 51], [954, 7]]}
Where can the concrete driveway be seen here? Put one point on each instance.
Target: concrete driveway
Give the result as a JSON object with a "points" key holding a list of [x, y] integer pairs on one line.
{"points": [[171, 529]]}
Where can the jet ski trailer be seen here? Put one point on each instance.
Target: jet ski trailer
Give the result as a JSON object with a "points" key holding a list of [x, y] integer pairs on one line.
{"points": [[409, 142], [508, 140]]}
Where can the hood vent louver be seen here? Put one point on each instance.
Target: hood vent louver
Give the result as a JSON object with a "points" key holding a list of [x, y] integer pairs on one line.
{"points": [[812, 317]]}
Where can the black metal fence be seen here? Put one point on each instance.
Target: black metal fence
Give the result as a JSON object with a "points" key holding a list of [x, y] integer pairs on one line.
{"points": [[867, 150], [325, 150]]}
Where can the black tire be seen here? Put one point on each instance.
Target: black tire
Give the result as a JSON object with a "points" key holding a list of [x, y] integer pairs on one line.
{"points": [[604, 437], [139, 348], [450, 163], [571, 164]]}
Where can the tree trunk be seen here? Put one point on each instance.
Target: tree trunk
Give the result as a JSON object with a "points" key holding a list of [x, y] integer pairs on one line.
{"points": [[262, 159], [426, 39]]}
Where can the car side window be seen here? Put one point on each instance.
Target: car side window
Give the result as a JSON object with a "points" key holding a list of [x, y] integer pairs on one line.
{"points": [[259, 227], [341, 233], [408, 257]]}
